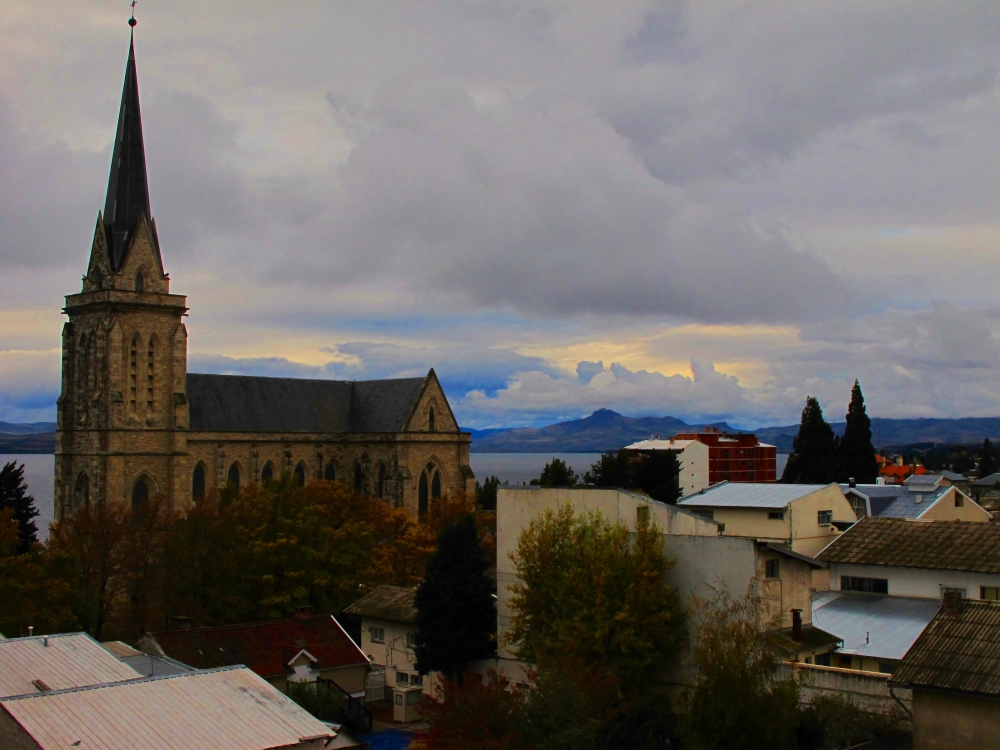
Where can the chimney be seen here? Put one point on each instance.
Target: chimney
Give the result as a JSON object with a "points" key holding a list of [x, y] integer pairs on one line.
{"points": [[899, 460], [45, 639], [951, 603], [303, 612], [851, 483], [797, 625], [31, 631]]}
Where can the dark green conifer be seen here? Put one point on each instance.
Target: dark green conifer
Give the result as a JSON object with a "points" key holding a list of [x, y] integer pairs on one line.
{"points": [[456, 616], [857, 454], [14, 494], [814, 453], [987, 462]]}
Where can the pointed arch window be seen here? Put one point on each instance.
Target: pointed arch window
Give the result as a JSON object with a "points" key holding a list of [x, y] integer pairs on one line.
{"points": [[381, 480], [358, 477], [233, 477], [300, 475], [140, 498], [198, 483], [430, 420], [81, 493], [436, 485], [422, 494], [330, 474], [140, 283], [267, 473]]}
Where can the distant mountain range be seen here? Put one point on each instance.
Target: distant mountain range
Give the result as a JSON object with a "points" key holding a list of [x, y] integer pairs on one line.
{"points": [[608, 430]]}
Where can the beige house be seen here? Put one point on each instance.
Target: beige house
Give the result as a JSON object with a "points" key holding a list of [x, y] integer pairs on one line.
{"points": [[929, 499], [804, 517], [388, 637]]}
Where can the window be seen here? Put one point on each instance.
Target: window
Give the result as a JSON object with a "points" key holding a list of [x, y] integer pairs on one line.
{"points": [[824, 517], [959, 500], [845, 661], [267, 473], [381, 480], [140, 494], [150, 357], [867, 585], [411, 640], [300, 475], [858, 506], [402, 678], [522, 686], [358, 477], [776, 515], [133, 362], [722, 528], [823, 660], [436, 485], [416, 679], [198, 483], [887, 666], [642, 515], [140, 283], [710, 515], [378, 635], [772, 568], [952, 590], [422, 494], [330, 474], [990, 593], [430, 419], [233, 477], [81, 494]]}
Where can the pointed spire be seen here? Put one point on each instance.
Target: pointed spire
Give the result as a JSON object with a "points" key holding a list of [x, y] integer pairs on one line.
{"points": [[128, 192]]}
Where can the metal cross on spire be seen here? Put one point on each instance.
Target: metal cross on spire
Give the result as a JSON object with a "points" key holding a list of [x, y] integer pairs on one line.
{"points": [[132, 22]]}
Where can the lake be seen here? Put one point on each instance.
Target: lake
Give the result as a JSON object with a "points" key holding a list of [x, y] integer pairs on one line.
{"points": [[39, 475]]}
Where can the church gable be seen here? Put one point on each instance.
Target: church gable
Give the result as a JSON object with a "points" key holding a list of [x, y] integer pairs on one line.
{"points": [[142, 260], [99, 268], [431, 411]]}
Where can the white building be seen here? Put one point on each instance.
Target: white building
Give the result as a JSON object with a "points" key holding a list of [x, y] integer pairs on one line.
{"points": [[692, 456]]}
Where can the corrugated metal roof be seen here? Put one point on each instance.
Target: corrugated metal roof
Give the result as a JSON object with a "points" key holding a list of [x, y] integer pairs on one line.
{"points": [[987, 481], [70, 660], [880, 627], [229, 708], [959, 650], [392, 603], [952, 476], [750, 495], [899, 543], [923, 479]]}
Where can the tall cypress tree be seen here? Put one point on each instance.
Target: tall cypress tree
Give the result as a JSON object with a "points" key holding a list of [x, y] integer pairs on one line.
{"points": [[14, 494], [456, 616], [857, 454], [814, 453], [987, 462]]}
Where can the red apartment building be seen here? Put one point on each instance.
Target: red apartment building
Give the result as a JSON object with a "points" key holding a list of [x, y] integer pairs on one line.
{"points": [[736, 458]]}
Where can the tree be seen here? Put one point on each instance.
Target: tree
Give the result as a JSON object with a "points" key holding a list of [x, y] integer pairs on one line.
{"points": [[857, 454], [485, 715], [456, 617], [610, 470], [814, 452], [13, 495], [987, 462], [736, 700], [591, 591], [655, 473], [557, 473], [486, 493]]}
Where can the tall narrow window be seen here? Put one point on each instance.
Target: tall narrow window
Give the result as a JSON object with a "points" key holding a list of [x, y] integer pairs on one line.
{"points": [[198, 483], [358, 477], [422, 496], [81, 494], [233, 477], [132, 374], [430, 420], [140, 496], [330, 474], [139, 282], [436, 485], [300, 475], [81, 379], [381, 480], [267, 474], [150, 383]]}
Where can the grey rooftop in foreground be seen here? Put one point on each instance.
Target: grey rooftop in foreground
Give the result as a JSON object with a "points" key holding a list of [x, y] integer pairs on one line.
{"points": [[391, 603], [879, 627], [750, 495]]}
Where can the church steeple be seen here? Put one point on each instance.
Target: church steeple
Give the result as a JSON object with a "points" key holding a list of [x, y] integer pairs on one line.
{"points": [[128, 191]]}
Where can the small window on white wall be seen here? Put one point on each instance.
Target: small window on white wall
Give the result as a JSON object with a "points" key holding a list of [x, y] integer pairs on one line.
{"points": [[411, 640], [378, 635], [402, 678]]}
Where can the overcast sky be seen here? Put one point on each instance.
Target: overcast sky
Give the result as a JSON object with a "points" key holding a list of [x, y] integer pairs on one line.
{"points": [[707, 210]]}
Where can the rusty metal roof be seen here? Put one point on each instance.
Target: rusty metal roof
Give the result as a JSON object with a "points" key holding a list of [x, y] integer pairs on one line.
{"points": [[228, 708], [69, 660], [959, 650], [392, 603], [901, 543]]}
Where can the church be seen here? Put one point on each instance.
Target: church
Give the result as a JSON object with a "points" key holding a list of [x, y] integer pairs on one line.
{"points": [[133, 423]]}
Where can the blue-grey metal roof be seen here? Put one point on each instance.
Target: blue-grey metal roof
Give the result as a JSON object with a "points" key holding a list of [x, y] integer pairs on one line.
{"points": [[896, 500], [750, 495], [880, 627], [987, 481], [951, 476], [911, 504], [923, 480], [155, 666]]}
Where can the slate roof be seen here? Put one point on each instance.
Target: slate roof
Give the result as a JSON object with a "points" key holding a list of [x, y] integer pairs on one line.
{"points": [[987, 481], [959, 651], [69, 660], [228, 708], [392, 603], [240, 403], [749, 495], [880, 627], [264, 647], [938, 545]]}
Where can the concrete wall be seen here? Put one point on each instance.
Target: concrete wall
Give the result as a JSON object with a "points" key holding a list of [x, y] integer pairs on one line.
{"points": [[518, 507], [394, 655], [868, 690], [954, 506], [693, 475], [947, 721], [916, 582]]}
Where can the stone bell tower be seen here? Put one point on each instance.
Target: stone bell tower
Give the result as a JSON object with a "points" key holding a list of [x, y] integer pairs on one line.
{"points": [[122, 413]]}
